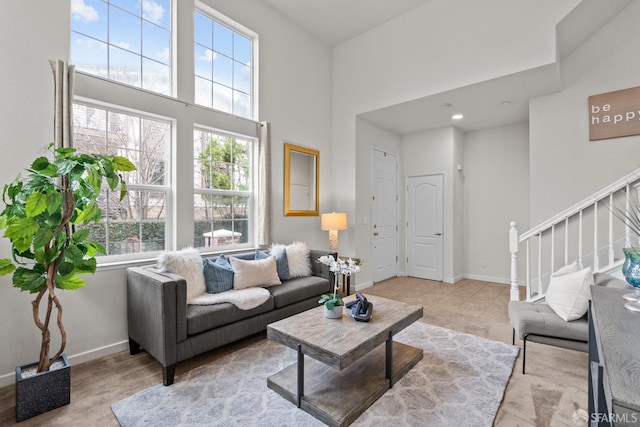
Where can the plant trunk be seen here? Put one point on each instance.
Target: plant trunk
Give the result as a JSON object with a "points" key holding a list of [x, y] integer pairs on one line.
{"points": [[52, 300]]}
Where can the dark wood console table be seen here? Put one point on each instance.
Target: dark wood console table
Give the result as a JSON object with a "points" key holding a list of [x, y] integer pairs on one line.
{"points": [[614, 360]]}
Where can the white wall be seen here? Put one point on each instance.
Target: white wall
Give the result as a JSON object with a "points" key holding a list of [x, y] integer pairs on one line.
{"points": [[429, 50], [27, 39], [565, 166], [459, 205], [429, 153], [496, 192], [295, 95]]}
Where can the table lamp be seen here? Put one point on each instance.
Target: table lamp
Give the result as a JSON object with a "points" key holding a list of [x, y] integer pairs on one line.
{"points": [[333, 222]]}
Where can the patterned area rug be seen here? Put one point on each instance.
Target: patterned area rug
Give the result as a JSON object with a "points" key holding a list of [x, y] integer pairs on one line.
{"points": [[460, 381]]}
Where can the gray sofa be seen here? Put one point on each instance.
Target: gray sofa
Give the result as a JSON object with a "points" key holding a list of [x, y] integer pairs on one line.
{"points": [[161, 322], [537, 322]]}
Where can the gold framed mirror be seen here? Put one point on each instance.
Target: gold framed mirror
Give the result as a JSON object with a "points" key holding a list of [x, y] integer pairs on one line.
{"points": [[301, 181]]}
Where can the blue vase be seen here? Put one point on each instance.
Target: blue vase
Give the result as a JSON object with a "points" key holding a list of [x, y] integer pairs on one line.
{"points": [[631, 266]]}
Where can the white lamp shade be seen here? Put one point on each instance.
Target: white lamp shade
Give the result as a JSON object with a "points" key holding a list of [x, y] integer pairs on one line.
{"points": [[333, 221]]}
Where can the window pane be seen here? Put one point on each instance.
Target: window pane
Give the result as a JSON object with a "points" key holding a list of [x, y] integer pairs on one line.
{"points": [[156, 43], [135, 224], [124, 130], [89, 17], [124, 66], [153, 152], [90, 129], [241, 77], [110, 39], [203, 89], [231, 70], [222, 98], [129, 5], [212, 164], [157, 12], [204, 62], [138, 222], [242, 226], [203, 30], [156, 76], [221, 220], [241, 104], [222, 39], [89, 55], [221, 164], [223, 70], [241, 165], [241, 49], [124, 30]]}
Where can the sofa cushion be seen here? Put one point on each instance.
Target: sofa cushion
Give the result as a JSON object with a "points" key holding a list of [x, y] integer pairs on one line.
{"points": [[218, 274], [201, 318], [539, 319], [299, 289], [298, 258], [187, 263], [259, 272], [568, 295], [282, 265]]}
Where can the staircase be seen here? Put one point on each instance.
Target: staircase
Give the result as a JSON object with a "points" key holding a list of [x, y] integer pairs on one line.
{"points": [[587, 232]]}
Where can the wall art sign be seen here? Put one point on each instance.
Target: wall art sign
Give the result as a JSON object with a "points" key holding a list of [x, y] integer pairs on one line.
{"points": [[614, 114]]}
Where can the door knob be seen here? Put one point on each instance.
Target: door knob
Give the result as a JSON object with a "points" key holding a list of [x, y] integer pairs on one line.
{"points": [[438, 234], [375, 233]]}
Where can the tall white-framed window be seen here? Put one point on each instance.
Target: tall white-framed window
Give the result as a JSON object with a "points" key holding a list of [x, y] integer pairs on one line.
{"points": [[128, 41], [223, 190], [225, 71], [138, 223], [157, 213]]}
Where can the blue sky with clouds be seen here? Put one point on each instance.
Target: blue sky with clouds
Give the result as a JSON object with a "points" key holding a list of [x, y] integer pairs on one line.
{"points": [[130, 41]]}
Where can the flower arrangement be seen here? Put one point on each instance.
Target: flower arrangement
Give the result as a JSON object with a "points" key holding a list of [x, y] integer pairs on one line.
{"points": [[339, 267]]}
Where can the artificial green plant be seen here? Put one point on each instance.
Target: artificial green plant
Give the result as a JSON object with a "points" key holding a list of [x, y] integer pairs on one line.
{"points": [[40, 211]]}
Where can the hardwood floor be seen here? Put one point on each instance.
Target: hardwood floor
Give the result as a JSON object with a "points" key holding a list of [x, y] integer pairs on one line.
{"points": [[554, 388]]}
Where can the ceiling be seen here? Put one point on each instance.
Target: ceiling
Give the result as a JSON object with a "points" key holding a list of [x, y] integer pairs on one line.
{"points": [[492, 103], [496, 102], [336, 21]]}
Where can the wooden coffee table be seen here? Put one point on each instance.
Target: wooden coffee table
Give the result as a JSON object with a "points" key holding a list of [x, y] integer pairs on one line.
{"points": [[351, 364]]}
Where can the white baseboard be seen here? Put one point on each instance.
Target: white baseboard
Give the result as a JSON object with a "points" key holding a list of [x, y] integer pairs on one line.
{"points": [[76, 359], [361, 286], [491, 279], [453, 279]]}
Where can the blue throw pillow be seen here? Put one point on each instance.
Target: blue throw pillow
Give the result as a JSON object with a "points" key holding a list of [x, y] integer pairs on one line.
{"points": [[218, 274], [282, 265]]}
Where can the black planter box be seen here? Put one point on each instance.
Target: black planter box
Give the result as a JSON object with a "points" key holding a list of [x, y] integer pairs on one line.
{"points": [[43, 392]]}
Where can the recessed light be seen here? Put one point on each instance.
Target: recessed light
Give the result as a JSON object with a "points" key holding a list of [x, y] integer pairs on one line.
{"points": [[505, 103], [457, 116]]}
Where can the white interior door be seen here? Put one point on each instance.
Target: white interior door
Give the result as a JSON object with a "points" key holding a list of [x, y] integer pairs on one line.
{"points": [[384, 215], [425, 248]]}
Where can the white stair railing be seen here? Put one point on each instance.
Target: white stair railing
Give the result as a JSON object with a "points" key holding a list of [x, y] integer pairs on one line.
{"points": [[590, 220]]}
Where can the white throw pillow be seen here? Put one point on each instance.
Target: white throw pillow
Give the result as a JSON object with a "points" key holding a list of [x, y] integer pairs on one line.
{"points": [[298, 259], [250, 273], [568, 295], [277, 247], [187, 263], [571, 268]]}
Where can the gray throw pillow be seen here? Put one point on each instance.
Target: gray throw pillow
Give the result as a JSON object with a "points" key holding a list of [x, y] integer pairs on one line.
{"points": [[218, 274], [282, 264]]}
